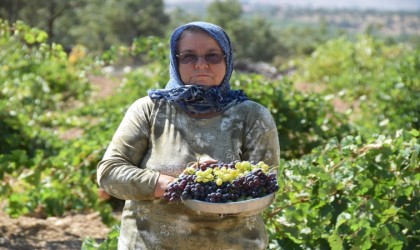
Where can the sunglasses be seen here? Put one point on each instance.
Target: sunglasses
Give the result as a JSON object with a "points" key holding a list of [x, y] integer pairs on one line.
{"points": [[190, 58]]}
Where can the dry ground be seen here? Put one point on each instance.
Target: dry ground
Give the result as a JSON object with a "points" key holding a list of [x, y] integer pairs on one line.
{"points": [[53, 233]]}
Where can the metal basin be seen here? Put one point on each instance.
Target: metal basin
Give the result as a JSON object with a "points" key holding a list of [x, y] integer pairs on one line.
{"points": [[243, 208]]}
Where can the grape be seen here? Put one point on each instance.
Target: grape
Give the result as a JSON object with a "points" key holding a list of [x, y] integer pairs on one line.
{"points": [[223, 182]]}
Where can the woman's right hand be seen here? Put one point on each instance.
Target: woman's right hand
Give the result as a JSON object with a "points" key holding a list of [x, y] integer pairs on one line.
{"points": [[162, 184]]}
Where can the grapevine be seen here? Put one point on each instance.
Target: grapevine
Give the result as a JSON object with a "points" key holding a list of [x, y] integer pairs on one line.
{"points": [[223, 182]]}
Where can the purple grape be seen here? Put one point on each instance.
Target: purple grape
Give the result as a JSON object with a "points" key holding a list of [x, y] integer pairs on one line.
{"points": [[255, 184]]}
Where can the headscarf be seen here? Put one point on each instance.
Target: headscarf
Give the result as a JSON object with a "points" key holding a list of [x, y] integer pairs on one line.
{"points": [[197, 99]]}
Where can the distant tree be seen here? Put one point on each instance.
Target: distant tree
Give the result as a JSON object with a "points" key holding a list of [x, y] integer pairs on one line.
{"points": [[256, 39], [96, 24], [92, 28], [224, 12], [252, 38], [39, 13], [9, 9], [119, 22], [179, 16], [137, 18]]}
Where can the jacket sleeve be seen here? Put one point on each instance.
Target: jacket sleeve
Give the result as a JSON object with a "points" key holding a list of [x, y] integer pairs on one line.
{"points": [[118, 173], [261, 138]]}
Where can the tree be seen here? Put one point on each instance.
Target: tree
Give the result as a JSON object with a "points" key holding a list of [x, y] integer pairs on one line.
{"points": [[224, 12], [96, 24], [137, 18], [180, 16], [252, 39], [119, 22], [40, 13], [9, 9]]}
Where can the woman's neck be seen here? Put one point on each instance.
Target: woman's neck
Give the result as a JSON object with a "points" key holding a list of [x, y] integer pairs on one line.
{"points": [[205, 116]]}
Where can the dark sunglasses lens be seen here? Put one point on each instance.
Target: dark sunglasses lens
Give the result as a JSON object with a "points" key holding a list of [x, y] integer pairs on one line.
{"points": [[212, 58], [187, 58]]}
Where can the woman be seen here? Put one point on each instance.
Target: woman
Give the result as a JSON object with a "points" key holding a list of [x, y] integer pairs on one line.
{"points": [[197, 116]]}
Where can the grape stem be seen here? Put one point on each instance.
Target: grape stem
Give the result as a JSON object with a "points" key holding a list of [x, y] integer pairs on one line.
{"points": [[194, 164]]}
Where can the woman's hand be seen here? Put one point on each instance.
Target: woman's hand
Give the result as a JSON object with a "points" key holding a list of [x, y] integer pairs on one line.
{"points": [[162, 184], [164, 180], [204, 163]]}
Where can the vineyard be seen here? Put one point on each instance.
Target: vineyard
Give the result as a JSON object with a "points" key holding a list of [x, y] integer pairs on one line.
{"points": [[349, 175]]}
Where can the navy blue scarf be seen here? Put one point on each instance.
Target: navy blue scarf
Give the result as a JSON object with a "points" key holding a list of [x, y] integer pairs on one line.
{"points": [[196, 99]]}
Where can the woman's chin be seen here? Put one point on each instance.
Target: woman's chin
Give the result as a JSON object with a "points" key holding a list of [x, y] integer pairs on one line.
{"points": [[204, 83]]}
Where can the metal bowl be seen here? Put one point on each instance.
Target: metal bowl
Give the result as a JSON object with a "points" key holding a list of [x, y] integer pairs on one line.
{"points": [[244, 208]]}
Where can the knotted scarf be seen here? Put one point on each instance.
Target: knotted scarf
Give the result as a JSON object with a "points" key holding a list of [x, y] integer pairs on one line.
{"points": [[197, 99]]}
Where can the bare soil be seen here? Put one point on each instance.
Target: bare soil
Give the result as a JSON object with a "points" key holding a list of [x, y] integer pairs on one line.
{"points": [[53, 233]]}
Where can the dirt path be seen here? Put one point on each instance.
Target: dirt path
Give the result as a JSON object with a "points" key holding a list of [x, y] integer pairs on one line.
{"points": [[66, 233]]}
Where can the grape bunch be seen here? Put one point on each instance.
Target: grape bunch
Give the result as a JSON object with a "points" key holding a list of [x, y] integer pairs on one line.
{"points": [[223, 182]]}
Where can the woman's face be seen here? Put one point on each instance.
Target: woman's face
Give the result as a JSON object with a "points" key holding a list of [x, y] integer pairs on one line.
{"points": [[200, 72]]}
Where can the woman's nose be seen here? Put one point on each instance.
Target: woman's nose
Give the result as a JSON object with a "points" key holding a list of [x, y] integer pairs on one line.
{"points": [[201, 62]]}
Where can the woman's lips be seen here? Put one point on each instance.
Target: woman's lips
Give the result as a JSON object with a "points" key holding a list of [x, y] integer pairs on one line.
{"points": [[202, 75]]}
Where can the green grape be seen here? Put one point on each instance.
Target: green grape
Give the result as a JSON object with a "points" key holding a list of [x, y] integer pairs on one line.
{"points": [[246, 165], [249, 181], [190, 170]]}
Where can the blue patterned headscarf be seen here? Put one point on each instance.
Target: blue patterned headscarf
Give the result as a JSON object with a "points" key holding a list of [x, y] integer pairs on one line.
{"points": [[197, 99]]}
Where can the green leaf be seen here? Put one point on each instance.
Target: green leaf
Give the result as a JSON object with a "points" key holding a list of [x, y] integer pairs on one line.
{"points": [[41, 37], [335, 242], [414, 132], [29, 38], [341, 219]]}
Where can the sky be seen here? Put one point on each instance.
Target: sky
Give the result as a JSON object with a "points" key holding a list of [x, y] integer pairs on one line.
{"points": [[388, 5]]}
